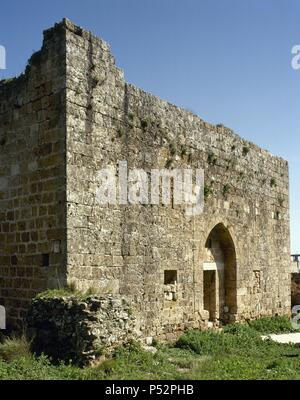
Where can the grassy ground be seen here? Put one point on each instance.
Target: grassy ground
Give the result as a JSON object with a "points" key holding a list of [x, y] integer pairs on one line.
{"points": [[238, 352]]}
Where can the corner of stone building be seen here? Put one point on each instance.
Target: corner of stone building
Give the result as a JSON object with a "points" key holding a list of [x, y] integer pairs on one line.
{"points": [[32, 176], [95, 90]]}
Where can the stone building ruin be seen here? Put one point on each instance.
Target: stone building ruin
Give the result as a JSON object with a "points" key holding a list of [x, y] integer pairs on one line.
{"points": [[72, 113]]}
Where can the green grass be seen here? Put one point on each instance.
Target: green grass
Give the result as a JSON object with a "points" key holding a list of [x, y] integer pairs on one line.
{"points": [[68, 291], [237, 352], [12, 348], [272, 325]]}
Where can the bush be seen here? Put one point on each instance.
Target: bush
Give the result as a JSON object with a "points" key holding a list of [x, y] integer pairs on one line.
{"points": [[201, 342], [235, 338], [211, 158], [68, 291], [131, 361], [278, 324], [238, 339], [12, 348], [246, 150]]}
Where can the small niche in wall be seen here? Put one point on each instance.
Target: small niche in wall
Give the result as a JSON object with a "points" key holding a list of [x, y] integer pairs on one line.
{"points": [[276, 215], [170, 277], [56, 246], [257, 281], [170, 285], [45, 260], [14, 260]]}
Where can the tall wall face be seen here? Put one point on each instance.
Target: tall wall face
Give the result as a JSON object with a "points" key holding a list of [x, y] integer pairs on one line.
{"points": [[32, 177], [126, 249], [71, 115]]}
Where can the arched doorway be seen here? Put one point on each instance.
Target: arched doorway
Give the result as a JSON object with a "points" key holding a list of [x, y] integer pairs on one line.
{"points": [[219, 275]]}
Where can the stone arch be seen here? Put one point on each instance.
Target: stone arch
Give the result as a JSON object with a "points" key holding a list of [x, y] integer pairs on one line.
{"points": [[220, 275]]}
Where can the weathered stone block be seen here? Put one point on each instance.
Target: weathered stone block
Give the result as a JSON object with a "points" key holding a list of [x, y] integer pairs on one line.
{"points": [[79, 329]]}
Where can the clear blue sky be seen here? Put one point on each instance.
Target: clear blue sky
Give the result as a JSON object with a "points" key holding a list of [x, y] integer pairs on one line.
{"points": [[227, 60]]}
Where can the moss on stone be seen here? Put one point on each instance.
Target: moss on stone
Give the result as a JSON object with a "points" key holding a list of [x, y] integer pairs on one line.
{"points": [[64, 292]]}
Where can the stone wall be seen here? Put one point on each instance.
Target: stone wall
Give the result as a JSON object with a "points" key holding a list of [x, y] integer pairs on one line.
{"points": [[126, 249], [32, 177], [130, 250], [79, 329]]}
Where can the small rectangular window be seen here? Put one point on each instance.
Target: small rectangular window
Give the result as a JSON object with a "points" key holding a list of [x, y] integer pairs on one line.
{"points": [[170, 277], [14, 260], [45, 260], [56, 246]]}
